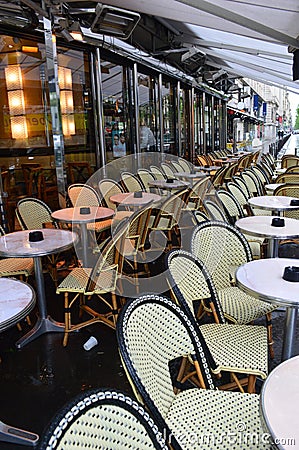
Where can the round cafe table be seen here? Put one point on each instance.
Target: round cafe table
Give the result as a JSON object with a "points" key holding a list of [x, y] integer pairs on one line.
{"points": [[16, 301], [18, 245], [279, 404], [270, 188], [262, 278], [260, 226], [276, 204], [129, 199], [83, 216], [190, 177], [163, 184]]}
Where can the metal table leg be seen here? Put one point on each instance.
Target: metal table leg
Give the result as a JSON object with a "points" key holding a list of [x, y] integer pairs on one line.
{"points": [[289, 333], [15, 435]]}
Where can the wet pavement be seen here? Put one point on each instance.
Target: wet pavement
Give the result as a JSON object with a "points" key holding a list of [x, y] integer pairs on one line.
{"points": [[40, 378]]}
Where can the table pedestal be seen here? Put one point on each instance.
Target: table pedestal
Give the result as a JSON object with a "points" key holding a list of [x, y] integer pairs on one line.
{"points": [[17, 436], [44, 324], [289, 333]]}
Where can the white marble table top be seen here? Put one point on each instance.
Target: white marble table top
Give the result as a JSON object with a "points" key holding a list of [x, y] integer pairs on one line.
{"points": [[17, 244], [272, 186], [189, 175], [128, 198], [262, 278], [16, 301], [279, 401], [73, 215], [206, 168], [164, 185], [275, 203], [261, 226]]}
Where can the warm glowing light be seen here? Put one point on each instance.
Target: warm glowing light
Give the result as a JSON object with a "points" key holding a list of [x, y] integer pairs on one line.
{"points": [[65, 78], [19, 127], [68, 125], [66, 102], [13, 77], [16, 102], [28, 49]]}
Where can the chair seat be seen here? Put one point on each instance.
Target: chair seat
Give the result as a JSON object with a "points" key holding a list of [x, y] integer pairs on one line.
{"points": [[204, 419], [16, 266], [234, 347], [241, 308], [75, 281]]}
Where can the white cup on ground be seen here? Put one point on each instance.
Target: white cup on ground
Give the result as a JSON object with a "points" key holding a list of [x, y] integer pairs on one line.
{"points": [[92, 342]]}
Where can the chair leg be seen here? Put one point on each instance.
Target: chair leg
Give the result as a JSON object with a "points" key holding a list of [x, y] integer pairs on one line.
{"points": [[269, 334], [67, 319], [251, 384]]}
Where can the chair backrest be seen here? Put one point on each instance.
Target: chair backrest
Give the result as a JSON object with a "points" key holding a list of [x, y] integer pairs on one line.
{"points": [[111, 259], [157, 172], [102, 419], [231, 206], [83, 195], [136, 235], [107, 188], [152, 331], [217, 179], [200, 216], [27, 175], [190, 282], [238, 195], [289, 161], [242, 185], [177, 167], [230, 172], [251, 184], [145, 177], [259, 171], [131, 183], [288, 178], [170, 210], [187, 167], [167, 169], [293, 169], [220, 246], [34, 214], [214, 211], [199, 190], [289, 190]]}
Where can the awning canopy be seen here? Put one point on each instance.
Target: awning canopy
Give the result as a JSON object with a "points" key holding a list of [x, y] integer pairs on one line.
{"points": [[243, 38]]}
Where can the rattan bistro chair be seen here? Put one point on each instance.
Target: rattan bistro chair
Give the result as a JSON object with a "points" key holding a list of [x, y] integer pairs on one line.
{"points": [[102, 419], [222, 249], [153, 331], [83, 283], [235, 348]]}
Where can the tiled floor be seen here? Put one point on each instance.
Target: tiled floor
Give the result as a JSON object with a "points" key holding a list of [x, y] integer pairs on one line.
{"points": [[38, 379]]}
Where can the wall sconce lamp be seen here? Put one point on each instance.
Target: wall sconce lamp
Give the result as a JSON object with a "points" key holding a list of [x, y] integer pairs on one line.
{"points": [[16, 101], [114, 21], [66, 101]]}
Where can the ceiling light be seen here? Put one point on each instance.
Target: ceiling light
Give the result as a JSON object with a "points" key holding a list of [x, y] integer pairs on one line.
{"points": [[114, 21]]}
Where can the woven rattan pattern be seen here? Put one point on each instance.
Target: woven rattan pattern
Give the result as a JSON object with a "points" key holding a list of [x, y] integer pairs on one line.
{"points": [[233, 347]]}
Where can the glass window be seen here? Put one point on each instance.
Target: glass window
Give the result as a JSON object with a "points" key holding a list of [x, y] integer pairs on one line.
{"points": [[198, 123], [169, 116], [148, 112], [115, 82], [76, 108]]}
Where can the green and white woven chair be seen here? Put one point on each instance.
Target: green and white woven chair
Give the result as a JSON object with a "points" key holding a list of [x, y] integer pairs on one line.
{"points": [[222, 249], [102, 419], [235, 348], [83, 283], [131, 183], [153, 331]]}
